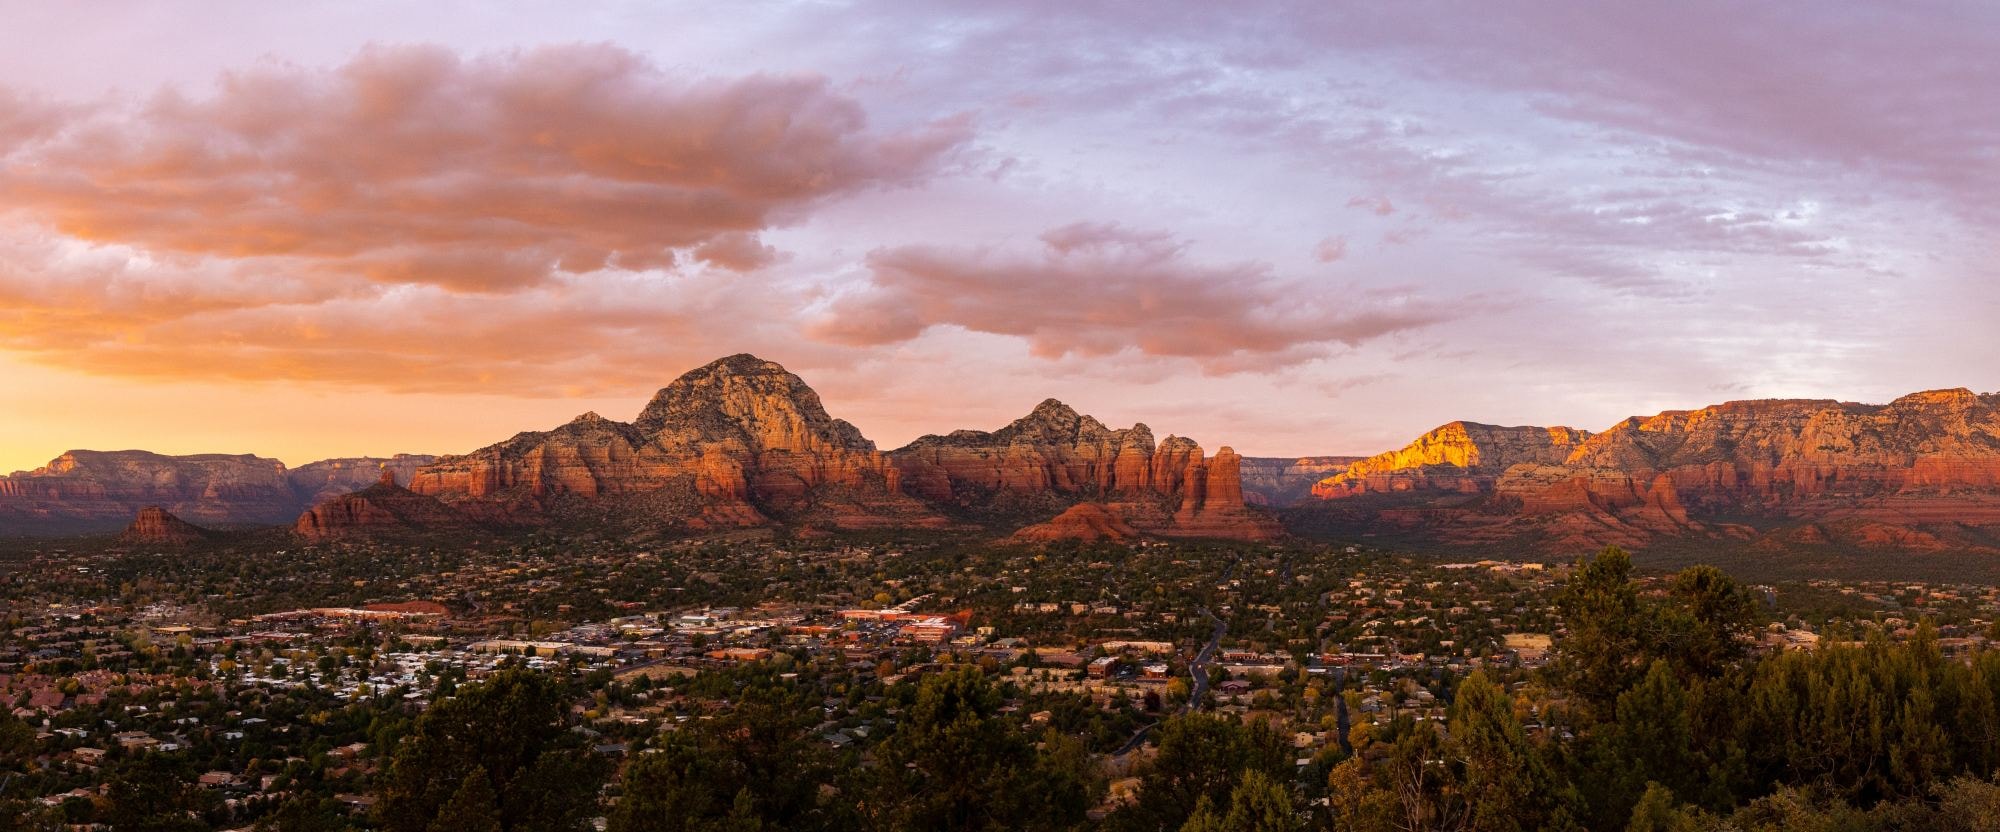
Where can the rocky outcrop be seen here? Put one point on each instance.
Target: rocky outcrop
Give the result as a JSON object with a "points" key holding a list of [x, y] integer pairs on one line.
{"points": [[1054, 459], [1212, 503], [1282, 481], [743, 442], [155, 527], [384, 507], [1052, 451], [1920, 472], [738, 442], [1461, 458]]}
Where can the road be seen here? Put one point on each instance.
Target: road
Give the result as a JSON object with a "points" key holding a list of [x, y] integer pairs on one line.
{"points": [[1198, 670]]}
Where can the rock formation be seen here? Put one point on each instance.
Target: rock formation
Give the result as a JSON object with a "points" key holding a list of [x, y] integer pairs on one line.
{"points": [[1461, 457], [1282, 481], [99, 491], [738, 442], [1922, 471], [1084, 522], [382, 507], [317, 482], [153, 526], [83, 492], [1055, 458]]}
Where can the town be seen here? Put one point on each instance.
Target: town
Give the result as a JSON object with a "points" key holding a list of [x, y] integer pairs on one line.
{"points": [[288, 678]]}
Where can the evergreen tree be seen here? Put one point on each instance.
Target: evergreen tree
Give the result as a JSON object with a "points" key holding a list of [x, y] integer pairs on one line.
{"points": [[1702, 628], [1656, 812], [155, 793], [955, 764], [1260, 804], [472, 808], [1201, 756], [1507, 786], [1595, 660], [1204, 818], [510, 726]]}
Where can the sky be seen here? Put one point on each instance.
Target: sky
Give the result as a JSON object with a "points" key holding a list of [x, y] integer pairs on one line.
{"points": [[306, 230]]}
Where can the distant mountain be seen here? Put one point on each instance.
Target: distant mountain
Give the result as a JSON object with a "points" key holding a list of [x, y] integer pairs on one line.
{"points": [[1054, 458], [739, 442], [743, 442], [1282, 481], [84, 492], [1922, 472]]}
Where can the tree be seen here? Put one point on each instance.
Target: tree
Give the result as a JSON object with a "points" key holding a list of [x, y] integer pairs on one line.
{"points": [[304, 814], [511, 727], [1701, 630], [954, 764], [1260, 804], [1508, 787], [1656, 812], [1601, 615], [1204, 818], [156, 793], [1202, 756], [17, 740], [473, 808]]}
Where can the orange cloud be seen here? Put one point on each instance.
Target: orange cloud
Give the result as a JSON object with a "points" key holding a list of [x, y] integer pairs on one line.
{"points": [[1099, 289], [418, 220], [415, 165]]}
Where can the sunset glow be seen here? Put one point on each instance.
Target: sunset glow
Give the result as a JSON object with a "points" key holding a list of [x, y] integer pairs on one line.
{"points": [[309, 230]]}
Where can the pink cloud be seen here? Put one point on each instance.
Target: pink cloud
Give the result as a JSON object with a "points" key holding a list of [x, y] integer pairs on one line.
{"points": [[1377, 205], [416, 165], [1096, 289], [1330, 249], [418, 220], [736, 252]]}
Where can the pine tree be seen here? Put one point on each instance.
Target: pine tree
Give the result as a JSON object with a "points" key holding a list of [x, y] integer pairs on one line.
{"points": [[1506, 784], [1595, 660], [472, 808]]}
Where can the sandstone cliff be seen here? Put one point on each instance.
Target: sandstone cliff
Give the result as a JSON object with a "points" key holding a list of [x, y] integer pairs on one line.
{"points": [[1055, 458], [743, 442], [738, 442], [1922, 471], [99, 491], [1461, 457]]}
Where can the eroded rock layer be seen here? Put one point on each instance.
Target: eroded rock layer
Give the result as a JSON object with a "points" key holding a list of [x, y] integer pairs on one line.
{"points": [[82, 492], [1922, 471], [743, 439]]}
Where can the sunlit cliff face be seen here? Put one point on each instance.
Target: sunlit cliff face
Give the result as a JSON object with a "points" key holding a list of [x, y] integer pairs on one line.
{"points": [[1296, 229]]}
